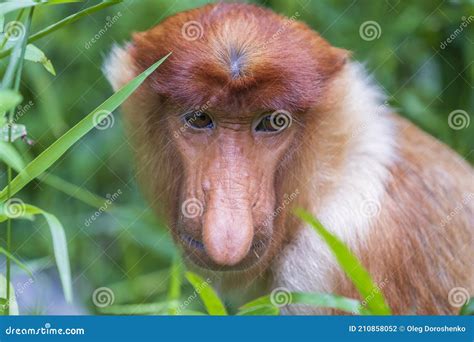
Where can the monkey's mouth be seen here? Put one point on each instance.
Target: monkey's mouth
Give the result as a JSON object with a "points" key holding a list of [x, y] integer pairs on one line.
{"points": [[195, 250]]}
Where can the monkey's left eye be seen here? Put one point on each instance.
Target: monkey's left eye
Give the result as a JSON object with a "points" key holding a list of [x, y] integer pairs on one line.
{"points": [[199, 120], [274, 122]]}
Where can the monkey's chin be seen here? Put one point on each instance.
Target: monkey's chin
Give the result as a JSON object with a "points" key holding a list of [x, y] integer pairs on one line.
{"points": [[195, 252]]}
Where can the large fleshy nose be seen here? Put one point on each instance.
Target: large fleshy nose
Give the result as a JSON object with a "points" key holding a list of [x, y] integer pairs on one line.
{"points": [[227, 226]]}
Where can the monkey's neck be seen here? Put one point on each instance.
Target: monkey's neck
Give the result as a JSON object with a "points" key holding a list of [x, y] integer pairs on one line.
{"points": [[356, 184]]}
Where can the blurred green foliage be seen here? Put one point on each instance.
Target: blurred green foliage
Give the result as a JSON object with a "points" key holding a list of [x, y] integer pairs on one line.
{"points": [[127, 249]]}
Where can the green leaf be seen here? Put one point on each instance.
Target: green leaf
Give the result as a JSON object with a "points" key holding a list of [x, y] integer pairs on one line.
{"points": [[12, 309], [174, 289], [10, 156], [33, 54], [468, 308], [351, 266], [260, 310], [11, 6], [58, 238], [321, 300], [9, 99], [65, 142], [12, 132], [138, 309], [15, 260], [64, 22], [209, 297]]}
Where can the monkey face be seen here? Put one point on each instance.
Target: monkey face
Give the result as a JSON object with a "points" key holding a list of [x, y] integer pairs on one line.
{"points": [[226, 217], [213, 126]]}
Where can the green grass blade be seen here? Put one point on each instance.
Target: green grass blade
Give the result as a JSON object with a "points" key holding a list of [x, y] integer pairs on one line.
{"points": [[34, 54], [321, 300], [468, 308], [73, 191], [138, 309], [64, 22], [9, 99], [209, 297], [48, 157], [260, 310], [351, 266], [16, 261], [59, 242], [10, 156], [5, 309], [11, 6], [174, 289]]}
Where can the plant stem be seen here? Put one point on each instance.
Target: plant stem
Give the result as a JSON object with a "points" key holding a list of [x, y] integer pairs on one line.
{"points": [[5, 38], [9, 169], [68, 20]]}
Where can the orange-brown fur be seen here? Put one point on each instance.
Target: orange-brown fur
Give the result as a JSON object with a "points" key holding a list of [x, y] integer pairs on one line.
{"points": [[413, 248], [407, 245]]}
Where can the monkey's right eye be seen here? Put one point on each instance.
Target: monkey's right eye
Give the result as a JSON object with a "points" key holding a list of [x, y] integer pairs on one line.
{"points": [[199, 120]]}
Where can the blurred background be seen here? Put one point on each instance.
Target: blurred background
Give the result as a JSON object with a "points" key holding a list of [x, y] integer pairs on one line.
{"points": [[420, 52]]}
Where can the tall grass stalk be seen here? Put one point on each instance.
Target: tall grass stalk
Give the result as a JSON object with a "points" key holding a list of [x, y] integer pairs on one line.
{"points": [[16, 87]]}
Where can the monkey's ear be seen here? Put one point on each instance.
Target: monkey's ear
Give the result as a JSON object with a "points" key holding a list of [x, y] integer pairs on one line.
{"points": [[119, 67]]}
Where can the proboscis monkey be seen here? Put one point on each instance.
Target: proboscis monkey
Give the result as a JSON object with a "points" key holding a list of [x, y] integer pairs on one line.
{"points": [[254, 114]]}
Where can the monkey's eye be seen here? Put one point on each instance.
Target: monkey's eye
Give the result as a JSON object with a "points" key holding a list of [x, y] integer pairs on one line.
{"points": [[198, 120], [274, 122]]}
